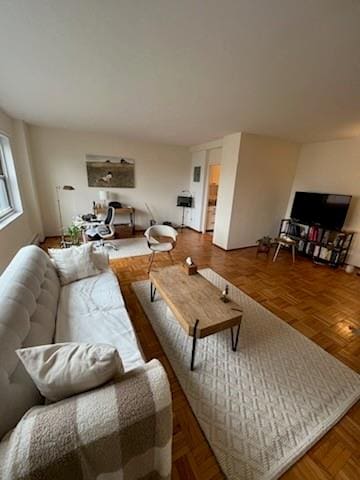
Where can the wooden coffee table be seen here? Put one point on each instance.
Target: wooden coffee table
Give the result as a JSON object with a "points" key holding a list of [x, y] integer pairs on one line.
{"points": [[196, 304]]}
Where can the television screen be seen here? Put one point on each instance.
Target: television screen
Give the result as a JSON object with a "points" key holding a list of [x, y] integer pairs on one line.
{"points": [[325, 209]]}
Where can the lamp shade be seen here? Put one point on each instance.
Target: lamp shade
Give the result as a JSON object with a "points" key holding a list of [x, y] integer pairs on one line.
{"points": [[103, 195]]}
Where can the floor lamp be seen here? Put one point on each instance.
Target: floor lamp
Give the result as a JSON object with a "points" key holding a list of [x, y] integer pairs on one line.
{"points": [[58, 188]]}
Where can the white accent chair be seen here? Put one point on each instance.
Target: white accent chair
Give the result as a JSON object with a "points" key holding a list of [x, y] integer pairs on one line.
{"points": [[156, 232]]}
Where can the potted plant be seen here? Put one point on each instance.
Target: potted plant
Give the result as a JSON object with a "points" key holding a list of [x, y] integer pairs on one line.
{"points": [[264, 245], [74, 233]]}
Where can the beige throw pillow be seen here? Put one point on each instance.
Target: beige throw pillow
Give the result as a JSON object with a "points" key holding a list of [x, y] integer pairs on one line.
{"points": [[74, 263], [64, 369], [100, 258]]}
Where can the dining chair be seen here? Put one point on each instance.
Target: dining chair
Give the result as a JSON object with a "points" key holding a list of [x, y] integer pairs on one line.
{"points": [[160, 239]]}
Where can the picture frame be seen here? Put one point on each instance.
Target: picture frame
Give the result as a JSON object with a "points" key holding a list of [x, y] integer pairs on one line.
{"points": [[110, 172]]}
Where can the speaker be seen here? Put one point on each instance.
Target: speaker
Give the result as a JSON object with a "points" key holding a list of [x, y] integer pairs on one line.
{"points": [[184, 202]]}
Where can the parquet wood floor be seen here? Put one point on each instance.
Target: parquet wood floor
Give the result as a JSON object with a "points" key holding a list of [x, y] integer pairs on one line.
{"points": [[322, 303]]}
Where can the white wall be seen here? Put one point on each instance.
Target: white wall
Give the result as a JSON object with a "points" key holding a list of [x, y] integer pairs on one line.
{"points": [[161, 172], [194, 215], [214, 156], [224, 205], [28, 225], [333, 167], [264, 179]]}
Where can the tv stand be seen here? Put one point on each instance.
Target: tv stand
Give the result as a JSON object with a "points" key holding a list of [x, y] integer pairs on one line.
{"points": [[322, 245]]}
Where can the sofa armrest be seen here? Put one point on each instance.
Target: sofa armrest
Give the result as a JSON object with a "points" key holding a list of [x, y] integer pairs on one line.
{"points": [[124, 427]]}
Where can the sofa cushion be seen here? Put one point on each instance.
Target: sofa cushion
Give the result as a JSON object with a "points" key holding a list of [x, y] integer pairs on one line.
{"points": [[74, 263], [29, 292], [61, 370], [92, 310]]}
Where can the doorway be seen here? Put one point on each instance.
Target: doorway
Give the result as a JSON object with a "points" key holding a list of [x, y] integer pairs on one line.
{"points": [[212, 194]]}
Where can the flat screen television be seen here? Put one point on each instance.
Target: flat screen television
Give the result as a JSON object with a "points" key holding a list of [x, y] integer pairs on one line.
{"points": [[325, 209]]}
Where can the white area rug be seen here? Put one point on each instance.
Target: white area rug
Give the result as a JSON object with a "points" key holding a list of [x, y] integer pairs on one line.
{"points": [[263, 406], [127, 247]]}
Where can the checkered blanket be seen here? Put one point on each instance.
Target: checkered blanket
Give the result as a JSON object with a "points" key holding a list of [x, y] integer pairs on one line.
{"points": [[122, 430]]}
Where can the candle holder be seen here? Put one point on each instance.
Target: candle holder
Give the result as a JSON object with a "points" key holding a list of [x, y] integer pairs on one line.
{"points": [[224, 296]]}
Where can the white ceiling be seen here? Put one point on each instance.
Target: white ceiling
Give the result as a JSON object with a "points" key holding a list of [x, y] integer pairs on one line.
{"points": [[184, 71]]}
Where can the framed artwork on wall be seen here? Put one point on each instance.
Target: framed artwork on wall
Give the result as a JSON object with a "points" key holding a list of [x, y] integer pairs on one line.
{"points": [[196, 174], [110, 172]]}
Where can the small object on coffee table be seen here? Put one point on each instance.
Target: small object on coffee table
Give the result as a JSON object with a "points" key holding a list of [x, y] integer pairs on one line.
{"points": [[224, 296], [190, 266]]}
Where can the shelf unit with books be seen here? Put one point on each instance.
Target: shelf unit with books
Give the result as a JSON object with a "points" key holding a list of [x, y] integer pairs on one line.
{"points": [[322, 245]]}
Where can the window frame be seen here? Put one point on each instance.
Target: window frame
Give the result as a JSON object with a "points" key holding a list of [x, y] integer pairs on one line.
{"points": [[9, 177], [4, 178]]}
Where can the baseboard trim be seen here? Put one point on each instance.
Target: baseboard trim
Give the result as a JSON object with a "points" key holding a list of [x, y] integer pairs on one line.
{"points": [[36, 240], [233, 249], [193, 229]]}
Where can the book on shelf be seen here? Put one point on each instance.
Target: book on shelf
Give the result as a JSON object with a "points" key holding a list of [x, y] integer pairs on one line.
{"points": [[325, 253], [293, 230], [340, 237], [304, 231], [313, 234], [309, 249], [326, 236], [334, 258]]}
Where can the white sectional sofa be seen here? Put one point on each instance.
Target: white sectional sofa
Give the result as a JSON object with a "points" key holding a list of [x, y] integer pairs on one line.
{"points": [[121, 430]]}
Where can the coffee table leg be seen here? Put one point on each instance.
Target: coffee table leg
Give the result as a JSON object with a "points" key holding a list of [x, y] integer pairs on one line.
{"points": [[193, 346], [234, 342], [152, 292]]}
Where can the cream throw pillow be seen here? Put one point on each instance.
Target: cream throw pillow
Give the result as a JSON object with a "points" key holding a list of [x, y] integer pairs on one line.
{"points": [[64, 369], [74, 263]]}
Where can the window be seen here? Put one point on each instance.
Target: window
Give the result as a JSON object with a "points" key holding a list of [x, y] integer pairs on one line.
{"points": [[10, 204], [5, 203]]}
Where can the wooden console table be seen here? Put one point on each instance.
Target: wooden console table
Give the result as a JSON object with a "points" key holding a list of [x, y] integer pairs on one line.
{"points": [[123, 210]]}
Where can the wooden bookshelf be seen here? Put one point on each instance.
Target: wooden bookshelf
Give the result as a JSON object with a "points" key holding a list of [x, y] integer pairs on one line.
{"points": [[321, 244]]}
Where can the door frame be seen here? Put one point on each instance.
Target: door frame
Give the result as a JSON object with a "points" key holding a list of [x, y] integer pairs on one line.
{"points": [[206, 192]]}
